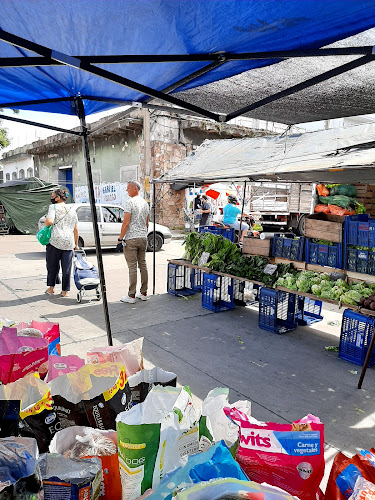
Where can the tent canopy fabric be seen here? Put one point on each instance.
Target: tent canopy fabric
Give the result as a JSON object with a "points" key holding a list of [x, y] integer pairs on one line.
{"points": [[159, 27], [333, 155]]}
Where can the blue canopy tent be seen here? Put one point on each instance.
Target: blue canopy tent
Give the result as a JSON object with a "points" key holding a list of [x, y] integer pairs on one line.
{"points": [[80, 57]]}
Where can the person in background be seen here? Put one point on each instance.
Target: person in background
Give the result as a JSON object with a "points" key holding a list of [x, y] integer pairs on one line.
{"points": [[231, 211], [205, 210], [197, 202], [64, 238], [133, 237]]}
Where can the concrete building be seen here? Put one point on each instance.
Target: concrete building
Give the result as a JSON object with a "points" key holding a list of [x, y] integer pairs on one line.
{"points": [[141, 145]]}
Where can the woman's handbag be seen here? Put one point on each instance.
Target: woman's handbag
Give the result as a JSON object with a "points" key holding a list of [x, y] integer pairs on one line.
{"points": [[44, 235]]}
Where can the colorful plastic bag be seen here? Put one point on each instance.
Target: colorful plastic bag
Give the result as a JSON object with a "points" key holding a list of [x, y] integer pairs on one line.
{"points": [[215, 463], [289, 456], [321, 209], [19, 473], [44, 235], [20, 355]]}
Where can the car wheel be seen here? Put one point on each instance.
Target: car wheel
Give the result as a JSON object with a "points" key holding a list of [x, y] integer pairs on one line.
{"points": [[301, 225], [158, 242], [80, 242]]}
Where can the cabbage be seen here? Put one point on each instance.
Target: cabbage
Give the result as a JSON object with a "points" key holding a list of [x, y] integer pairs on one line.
{"points": [[351, 297], [316, 290]]}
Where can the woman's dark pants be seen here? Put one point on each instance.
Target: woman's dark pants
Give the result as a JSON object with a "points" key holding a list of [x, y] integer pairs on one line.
{"points": [[53, 258]]}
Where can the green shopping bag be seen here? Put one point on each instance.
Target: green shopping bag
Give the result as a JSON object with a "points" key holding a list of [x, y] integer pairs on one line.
{"points": [[44, 235]]}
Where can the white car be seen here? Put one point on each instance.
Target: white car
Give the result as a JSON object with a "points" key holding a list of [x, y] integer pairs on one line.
{"points": [[109, 221]]}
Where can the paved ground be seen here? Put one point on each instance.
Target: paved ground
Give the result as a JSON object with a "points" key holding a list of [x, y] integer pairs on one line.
{"points": [[284, 376]]}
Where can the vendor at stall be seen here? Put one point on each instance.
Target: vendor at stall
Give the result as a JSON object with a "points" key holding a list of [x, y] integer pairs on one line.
{"points": [[231, 211]]}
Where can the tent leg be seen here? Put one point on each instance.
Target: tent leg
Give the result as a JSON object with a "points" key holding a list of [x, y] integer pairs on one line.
{"points": [[243, 205], [153, 238], [85, 145]]}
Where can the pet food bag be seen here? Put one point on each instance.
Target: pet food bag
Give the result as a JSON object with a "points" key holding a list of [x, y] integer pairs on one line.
{"points": [[69, 478], [20, 355], [61, 365], [130, 355], [214, 425], [215, 463], [152, 438], [92, 396], [143, 381], [19, 473], [49, 331], [289, 456], [37, 418], [363, 490], [345, 472], [85, 442]]}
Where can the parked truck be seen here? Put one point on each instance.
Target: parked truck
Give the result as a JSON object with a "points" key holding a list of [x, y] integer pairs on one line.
{"points": [[281, 204]]}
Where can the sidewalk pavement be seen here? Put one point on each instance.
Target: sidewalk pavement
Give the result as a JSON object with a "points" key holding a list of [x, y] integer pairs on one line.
{"points": [[284, 376]]}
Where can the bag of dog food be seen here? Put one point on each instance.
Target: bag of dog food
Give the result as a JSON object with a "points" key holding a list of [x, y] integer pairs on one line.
{"points": [[153, 437], [37, 418], [143, 381], [129, 354], [85, 442], [60, 365], [93, 396], [289, 456], [74, 479]]}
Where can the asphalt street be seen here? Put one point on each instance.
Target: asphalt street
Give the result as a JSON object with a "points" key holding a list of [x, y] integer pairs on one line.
{"points": [[284, 376]]}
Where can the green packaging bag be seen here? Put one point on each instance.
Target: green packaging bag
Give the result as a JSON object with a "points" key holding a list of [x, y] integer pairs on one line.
{"points": [[154, 437], [44, 235]]}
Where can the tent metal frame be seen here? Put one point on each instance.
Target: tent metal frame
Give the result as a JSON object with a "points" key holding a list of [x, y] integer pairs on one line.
{"points": [[49, 57]]}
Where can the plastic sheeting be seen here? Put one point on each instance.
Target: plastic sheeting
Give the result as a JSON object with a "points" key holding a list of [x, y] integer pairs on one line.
{"points": [[104, 27], [323, 155], [25, 202]]}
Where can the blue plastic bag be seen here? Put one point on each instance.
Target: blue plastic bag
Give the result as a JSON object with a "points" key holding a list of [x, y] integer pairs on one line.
{"points": [[217, 462]]}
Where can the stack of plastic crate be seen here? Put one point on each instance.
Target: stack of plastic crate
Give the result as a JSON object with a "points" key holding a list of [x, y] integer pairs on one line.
{"points": [[359, 231]]}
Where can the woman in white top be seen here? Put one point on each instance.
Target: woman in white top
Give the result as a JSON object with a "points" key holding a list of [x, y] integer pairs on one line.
{"points": [[64, 238]]}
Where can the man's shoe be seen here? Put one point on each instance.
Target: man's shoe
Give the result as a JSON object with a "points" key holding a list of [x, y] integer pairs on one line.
{"points": [[129, 300], [141, 296]]}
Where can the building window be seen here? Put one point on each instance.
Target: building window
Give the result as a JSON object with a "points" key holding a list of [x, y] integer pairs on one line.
{"points": [[21, 174], [30, 172], [7, 177], [14, 175]]}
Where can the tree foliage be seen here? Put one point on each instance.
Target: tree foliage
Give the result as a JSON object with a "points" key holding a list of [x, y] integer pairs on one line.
{"points": [[4, 139]]}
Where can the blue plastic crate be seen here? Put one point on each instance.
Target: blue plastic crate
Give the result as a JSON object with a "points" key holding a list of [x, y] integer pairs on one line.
{"points": [[179, 280], [288, 246], [196, 279], [308, 311], [324, 255], [226, 232], [277, 311], [359, 230], [217, 293], [239, 292], [356, 333], [360, 261]]}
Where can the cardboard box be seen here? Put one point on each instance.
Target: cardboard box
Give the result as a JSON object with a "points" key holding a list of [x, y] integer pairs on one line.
{"points": [[325, 227], [256, 246]]}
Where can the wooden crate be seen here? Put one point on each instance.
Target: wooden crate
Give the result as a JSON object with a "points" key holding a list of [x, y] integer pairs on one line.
{"points": [[325, 226], [256, 246]]}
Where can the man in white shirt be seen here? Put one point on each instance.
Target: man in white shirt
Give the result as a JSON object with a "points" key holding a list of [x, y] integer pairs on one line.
{"points": [[133, 236]]}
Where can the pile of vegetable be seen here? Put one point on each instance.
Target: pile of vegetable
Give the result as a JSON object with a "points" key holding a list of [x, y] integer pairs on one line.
{"points": [[321, 285], [338, 199], [226, 257]]}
